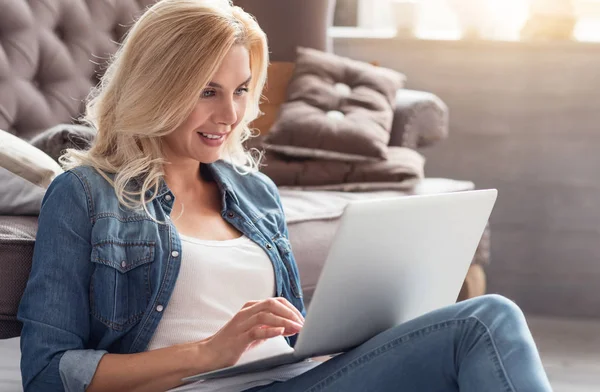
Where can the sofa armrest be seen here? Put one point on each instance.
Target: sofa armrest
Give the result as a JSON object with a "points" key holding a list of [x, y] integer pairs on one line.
{"points": [[420, 119]]}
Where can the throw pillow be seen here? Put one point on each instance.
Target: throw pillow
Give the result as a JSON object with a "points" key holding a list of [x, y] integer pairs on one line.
{"points": [[336, 108], [56, 140], [27, 161], [278, 78], [19, 196]]}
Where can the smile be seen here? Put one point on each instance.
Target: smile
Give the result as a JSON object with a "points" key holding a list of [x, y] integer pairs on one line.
{"points": [[212, 136]]}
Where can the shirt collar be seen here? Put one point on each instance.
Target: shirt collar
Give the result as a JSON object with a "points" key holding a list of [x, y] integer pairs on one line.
{"points": [[218, 174]]}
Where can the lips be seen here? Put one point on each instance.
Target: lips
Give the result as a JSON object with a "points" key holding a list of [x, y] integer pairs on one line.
{"points": [[214, 136], [212, 139]]}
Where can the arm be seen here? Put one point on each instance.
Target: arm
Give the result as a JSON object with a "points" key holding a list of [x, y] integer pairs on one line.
{"points": [[54, 307], [420, 119], [56, 354], [156, 370], [163, 369]]}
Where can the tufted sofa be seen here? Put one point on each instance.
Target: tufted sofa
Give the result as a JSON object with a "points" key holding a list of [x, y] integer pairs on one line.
{"points": [[53, 51], [45, 67]]}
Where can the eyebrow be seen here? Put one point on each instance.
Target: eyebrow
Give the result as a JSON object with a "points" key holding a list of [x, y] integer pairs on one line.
{"points": [[217, 85]]}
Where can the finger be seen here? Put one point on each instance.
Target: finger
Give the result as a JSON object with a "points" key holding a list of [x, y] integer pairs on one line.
{"points": [[258, 333], [289, 310], [271, 320], [270, 305], [249, 303], [292, 307]]}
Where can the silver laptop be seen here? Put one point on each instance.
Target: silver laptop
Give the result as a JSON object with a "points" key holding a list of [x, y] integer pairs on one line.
{"points": [[391, 260]]}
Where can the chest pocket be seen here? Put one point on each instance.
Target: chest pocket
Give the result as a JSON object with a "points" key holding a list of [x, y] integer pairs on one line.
{"points": [[285, 251], [120, 285]]}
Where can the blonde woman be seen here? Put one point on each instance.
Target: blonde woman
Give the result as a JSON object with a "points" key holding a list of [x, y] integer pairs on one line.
{"points": [[162, 252]]}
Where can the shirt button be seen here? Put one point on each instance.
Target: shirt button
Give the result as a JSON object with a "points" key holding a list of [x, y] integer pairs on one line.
{"points": [[174, 253], [123, 264], [230, 214], [168, 198], [159, 308], [269, 246]]}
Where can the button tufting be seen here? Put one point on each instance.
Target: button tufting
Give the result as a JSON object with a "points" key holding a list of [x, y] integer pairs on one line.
{"points": [[43, 45], [342, 89], [335, 115]]}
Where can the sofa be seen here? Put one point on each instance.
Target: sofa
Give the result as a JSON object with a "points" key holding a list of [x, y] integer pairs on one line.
{"points": [[54, 52]]}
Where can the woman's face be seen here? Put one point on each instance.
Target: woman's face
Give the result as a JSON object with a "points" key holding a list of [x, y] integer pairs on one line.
{"points": [[220, 108]]}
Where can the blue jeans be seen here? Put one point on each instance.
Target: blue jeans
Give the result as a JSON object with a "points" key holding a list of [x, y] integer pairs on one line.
{"points": [[479, 345]]}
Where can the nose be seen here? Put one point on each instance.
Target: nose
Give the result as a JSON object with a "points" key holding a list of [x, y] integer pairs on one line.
{"points": [[226, 114]]}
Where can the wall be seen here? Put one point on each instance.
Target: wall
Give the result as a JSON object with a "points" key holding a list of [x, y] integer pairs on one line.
{"points": [[525, 119]]}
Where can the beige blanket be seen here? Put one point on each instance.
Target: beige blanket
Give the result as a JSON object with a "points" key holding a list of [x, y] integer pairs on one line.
{"points": [[400, 171]]}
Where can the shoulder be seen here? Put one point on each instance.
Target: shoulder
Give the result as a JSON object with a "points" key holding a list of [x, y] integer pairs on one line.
{"points": [[82, 184]]}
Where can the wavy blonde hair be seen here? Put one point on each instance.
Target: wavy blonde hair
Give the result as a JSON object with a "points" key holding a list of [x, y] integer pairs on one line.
{"points": [[152, 85]]}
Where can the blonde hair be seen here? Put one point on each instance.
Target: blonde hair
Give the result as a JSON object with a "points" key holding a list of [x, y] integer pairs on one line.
{"points": [[152, 85]]}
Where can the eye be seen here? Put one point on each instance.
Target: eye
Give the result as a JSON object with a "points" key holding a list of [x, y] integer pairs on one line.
{"points": [[208, 93], [241, 91]]}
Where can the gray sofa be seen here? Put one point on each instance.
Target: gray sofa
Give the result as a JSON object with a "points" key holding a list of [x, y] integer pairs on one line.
{"points": [[54, 52]]}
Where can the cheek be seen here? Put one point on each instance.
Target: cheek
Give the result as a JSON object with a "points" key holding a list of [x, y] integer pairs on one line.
{"points": [[240, 110], [198, 117]]}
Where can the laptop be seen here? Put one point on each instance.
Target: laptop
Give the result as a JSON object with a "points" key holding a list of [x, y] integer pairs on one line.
{"points": [[391, 260]]}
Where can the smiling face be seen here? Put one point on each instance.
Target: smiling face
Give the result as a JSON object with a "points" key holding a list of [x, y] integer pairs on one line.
{"points": [[219, 110]]}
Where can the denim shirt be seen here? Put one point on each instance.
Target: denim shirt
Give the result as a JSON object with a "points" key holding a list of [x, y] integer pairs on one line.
{"points": [[103, 274]]}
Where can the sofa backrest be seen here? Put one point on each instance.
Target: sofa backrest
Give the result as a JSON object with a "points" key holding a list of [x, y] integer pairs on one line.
{"points": [[54, 51]]}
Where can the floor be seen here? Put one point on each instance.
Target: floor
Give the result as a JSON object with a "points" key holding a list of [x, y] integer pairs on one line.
{"points": [[570, 351]]}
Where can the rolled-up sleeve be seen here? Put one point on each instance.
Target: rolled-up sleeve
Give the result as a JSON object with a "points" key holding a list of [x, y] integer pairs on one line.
{"points": [[54, 308], [77, 368]]}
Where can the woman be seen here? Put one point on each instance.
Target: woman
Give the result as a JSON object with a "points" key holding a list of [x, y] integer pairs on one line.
{"points": [[163, 253]]}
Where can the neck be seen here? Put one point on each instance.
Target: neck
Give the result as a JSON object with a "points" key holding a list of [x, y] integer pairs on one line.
{"points": [[184, 177]]}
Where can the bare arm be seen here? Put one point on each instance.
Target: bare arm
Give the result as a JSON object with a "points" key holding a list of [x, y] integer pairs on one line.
{"points": [[156, 370]]}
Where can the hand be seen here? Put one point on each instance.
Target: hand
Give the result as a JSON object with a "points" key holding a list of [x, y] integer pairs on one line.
{"points": [[256, 322]]}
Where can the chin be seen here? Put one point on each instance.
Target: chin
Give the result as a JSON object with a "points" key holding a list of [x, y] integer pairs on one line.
{"points": [[208, 158]]}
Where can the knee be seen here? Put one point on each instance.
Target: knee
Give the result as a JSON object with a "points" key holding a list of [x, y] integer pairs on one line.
{"points": [[494, 307]]}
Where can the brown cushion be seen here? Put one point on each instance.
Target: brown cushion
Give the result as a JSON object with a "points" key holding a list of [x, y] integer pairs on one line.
{"points": [[17, 237], [336, 108], [279, 75], [400, 171]]}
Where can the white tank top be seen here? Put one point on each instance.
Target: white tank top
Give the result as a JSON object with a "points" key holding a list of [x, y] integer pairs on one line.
{"points": [[216, 279]]}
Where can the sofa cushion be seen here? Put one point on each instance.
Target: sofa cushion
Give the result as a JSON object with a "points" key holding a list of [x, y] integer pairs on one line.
{"points": [[17, 237], [292, 23], [336, 108], [10, 369], [19, 196], [56, 140], [52, 54], [27, 161]]}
